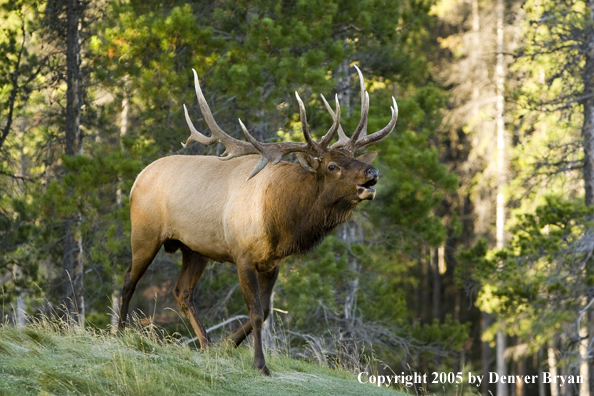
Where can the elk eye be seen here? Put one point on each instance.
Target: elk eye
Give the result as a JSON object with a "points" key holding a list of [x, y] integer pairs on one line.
{"points": [[332, 168]]}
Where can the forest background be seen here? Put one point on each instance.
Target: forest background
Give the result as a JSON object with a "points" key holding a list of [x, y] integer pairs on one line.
{"points": [[476, 254]]}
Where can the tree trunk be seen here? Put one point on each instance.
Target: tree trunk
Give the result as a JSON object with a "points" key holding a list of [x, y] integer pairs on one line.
{"points": [[268, 327], [501, 138], [115, 295], [20, 312], [72, 77], [588, 142], [343, 86], [485, 352], [72, 260], [486, 319], [590, 317], [425, 291], [20, 309], [588, 126], [436, 278], [541, 386], [115, 304], [501, 181], [348, 233], [501, 367], [553, 369], [584, 366], [351, 233], [521, 371]]}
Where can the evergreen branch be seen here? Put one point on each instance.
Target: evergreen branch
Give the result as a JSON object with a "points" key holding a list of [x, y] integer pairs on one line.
{"points": [[27, 179], [15, 85]]}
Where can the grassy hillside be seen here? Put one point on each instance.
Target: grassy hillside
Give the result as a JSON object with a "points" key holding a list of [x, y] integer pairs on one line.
{"points": [[46, 359]]}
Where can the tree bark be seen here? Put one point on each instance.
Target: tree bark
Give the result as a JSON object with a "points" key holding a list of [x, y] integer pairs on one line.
{"points": [[501, 367], [343, 86], [502, 389], [485, 352], [583, 349], [268, 327], [115, 295], [541, 384], [486, 318], [351, 233], [588, 109], [521, 371], [72, 260], [20, 309], [425, 291], [500, 125], [438, 264], [553, 369], [20, 312], [590, 317], [72, 76], [588, 143]]}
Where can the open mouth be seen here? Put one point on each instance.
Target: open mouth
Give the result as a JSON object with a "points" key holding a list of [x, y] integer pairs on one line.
{"points": [[364, 191]]}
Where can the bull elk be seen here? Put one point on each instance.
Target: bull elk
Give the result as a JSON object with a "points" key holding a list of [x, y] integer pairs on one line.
{"points": [[241, 211]]}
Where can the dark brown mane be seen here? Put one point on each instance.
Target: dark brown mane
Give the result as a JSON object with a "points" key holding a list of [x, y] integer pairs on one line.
{"points": [[290, 229]]}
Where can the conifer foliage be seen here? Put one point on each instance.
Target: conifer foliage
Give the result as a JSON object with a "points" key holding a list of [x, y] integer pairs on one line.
{"points": [[92, 92]]}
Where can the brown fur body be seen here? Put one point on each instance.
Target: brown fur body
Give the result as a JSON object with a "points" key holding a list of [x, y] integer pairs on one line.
{"points": [[279, 213], [206, 207]]}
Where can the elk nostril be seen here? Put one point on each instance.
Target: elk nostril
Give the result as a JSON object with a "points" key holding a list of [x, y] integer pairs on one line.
{"points": [[371, 173]]}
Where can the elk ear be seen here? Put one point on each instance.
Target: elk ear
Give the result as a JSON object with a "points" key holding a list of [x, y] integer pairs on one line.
{"points": [[308, 162], [367, 158]]}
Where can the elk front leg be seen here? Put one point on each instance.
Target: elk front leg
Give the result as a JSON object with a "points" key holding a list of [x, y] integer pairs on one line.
{"points": [[266, 281], [193, 265], [248, 280], [144, 249]]}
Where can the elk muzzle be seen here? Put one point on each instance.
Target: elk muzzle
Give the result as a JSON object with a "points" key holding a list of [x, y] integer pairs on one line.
{"points": [[364, 191]]}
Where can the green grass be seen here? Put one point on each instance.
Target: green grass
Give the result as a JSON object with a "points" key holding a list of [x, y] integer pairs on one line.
{"points": [[53, 359]]}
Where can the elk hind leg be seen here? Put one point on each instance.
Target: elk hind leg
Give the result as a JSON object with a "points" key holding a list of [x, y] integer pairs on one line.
{"points": [[248, 280], [266, 281], [193, 266]]}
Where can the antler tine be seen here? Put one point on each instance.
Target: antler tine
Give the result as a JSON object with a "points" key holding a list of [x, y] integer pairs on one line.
{"points": [[344, 142], [274, 151], [342, 137], [362, 124], [233, 147], [194, 134], [363, 97], [335, 126], [305, 128], [378, 136]]}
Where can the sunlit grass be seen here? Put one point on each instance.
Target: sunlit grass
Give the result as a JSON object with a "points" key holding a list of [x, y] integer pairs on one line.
{"points": [[53, 358]]}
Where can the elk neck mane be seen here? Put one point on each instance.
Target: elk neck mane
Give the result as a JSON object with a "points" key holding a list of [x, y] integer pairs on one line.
{"points": [[298, 213]]}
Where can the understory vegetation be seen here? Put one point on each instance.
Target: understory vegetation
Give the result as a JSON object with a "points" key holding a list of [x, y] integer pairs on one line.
{"points": [[54, 358]]}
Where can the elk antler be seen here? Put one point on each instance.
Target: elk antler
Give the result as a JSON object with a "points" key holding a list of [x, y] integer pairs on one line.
{"points": [[359, 140], [233, 147], [268, 151]]}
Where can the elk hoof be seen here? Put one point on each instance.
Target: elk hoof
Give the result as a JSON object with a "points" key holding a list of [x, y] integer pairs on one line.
{"points": [[263, 369]]}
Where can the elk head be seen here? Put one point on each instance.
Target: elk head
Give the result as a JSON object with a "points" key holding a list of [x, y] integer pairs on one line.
{"points": [[343, 178]]}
